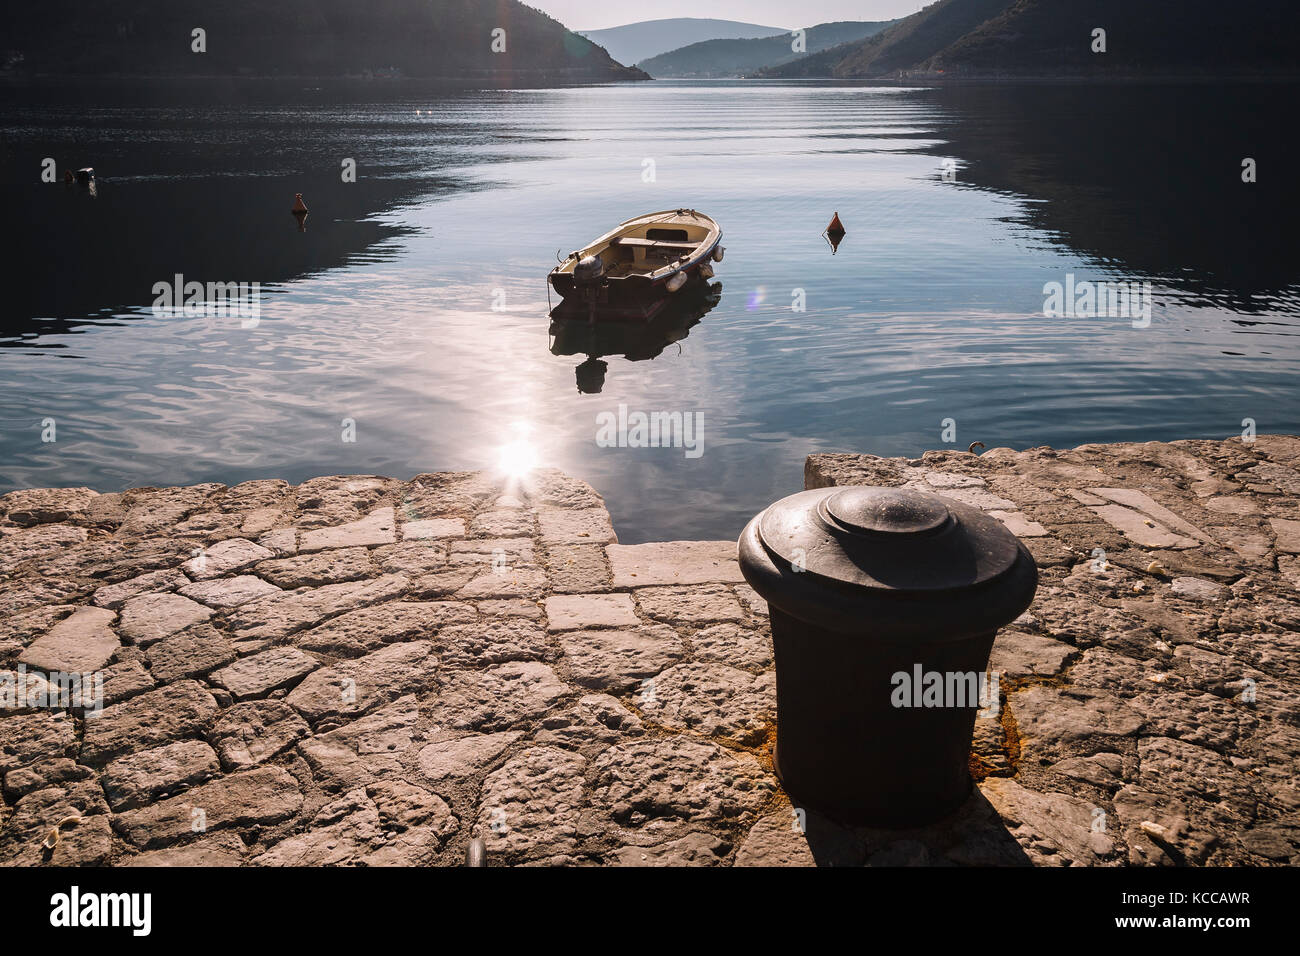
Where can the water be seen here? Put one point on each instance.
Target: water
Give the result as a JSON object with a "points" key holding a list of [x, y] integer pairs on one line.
{"points": [[382, 312]]}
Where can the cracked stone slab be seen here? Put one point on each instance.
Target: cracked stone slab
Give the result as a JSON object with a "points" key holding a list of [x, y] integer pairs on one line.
{"points": [[56, 772], [499, 698], [259, 674], [79, 644], [283, 614], [259, 796], [36, 736], [620, 659], [33, 506], [431, 529], [1158, 830], [219, 849], [463, 757], [1287, 533], [510, 583], [137, 778], [533, 804], [123, 680], [787, 840], [674, 562], [493, 642], [151, 617], [370, 628], [384, 824], [335, 566], [1054, 723], [378, 527], [1176, 767], [591, 724], [352, 687], [88, 843], [693, 606], [191, 653], [575, 526], [697, 848], [20, 546], [224, 557], [577, 569], [1017, 654], [573, 612], [254, 732], [410, 557], [733, 644], [1020, 524], [503, 523], [178, 710], [679, 778], [1055, 829], [113, 596], [713, 700], [222, 593], [367, 749]]}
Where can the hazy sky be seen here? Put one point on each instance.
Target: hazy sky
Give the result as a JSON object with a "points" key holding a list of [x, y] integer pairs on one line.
{"points": [[585, 15]]}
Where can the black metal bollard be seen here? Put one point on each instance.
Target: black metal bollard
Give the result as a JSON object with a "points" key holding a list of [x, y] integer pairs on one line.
{"points": [[884, 605]]}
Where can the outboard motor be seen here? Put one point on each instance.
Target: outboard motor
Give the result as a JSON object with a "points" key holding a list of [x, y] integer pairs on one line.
{"points": [[589, 271]]}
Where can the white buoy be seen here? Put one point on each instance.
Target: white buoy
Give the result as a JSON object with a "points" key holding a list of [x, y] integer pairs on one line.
{"points": [[718, 253], [676, 282]]}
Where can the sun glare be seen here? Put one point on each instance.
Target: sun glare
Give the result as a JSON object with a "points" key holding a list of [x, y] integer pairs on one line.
{"points": [[519, 456]]}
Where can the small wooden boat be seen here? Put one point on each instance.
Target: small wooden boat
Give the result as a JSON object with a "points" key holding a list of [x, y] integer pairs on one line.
{"points": [[632, 270]]}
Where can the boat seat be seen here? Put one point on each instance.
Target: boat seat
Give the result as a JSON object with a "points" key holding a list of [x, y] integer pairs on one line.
{"points": [[656, 243]]}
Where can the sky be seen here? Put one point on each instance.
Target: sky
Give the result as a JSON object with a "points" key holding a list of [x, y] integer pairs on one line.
{"points": [[585, 15]]}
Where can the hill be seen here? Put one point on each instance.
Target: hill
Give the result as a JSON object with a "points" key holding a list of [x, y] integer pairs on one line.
{"points": [[989, 38], [410, 38], [901, 46], [742, 57], [635, 42]]}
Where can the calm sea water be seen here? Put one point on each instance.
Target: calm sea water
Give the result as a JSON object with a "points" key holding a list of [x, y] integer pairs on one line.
{"points": [[415, 302]]}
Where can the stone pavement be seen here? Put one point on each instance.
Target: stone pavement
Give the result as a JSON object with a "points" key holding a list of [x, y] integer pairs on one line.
{"points": [[359, 670]]}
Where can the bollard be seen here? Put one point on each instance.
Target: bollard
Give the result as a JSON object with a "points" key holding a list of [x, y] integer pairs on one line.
{"points": [[872, 593]]}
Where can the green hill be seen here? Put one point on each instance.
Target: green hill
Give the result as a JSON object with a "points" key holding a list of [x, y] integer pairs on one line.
{"points": [[991, 38], [450, 39], [742, 57]]}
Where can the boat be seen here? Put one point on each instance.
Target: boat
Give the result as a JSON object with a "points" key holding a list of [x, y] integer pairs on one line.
{"points": [[572, 334], [634, 269]]}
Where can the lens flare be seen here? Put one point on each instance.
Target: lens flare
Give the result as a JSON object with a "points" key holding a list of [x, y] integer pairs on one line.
{"points": [[756, 299]]}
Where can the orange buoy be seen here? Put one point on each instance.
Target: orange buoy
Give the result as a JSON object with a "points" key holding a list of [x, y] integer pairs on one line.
{"points": [[298, 205], [836, 227]]}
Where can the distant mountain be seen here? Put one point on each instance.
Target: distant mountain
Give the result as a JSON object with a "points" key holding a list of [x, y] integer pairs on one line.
{"points": [[635, 42], [410, 38], [902, 46], [742, 57], [989, 38]]}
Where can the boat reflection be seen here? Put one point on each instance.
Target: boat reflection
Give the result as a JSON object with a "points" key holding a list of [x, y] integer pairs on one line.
{"points": [[574, 333]]}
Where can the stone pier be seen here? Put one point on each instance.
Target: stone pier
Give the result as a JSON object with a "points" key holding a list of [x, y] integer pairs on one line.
{"points": [[365, 671]]}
